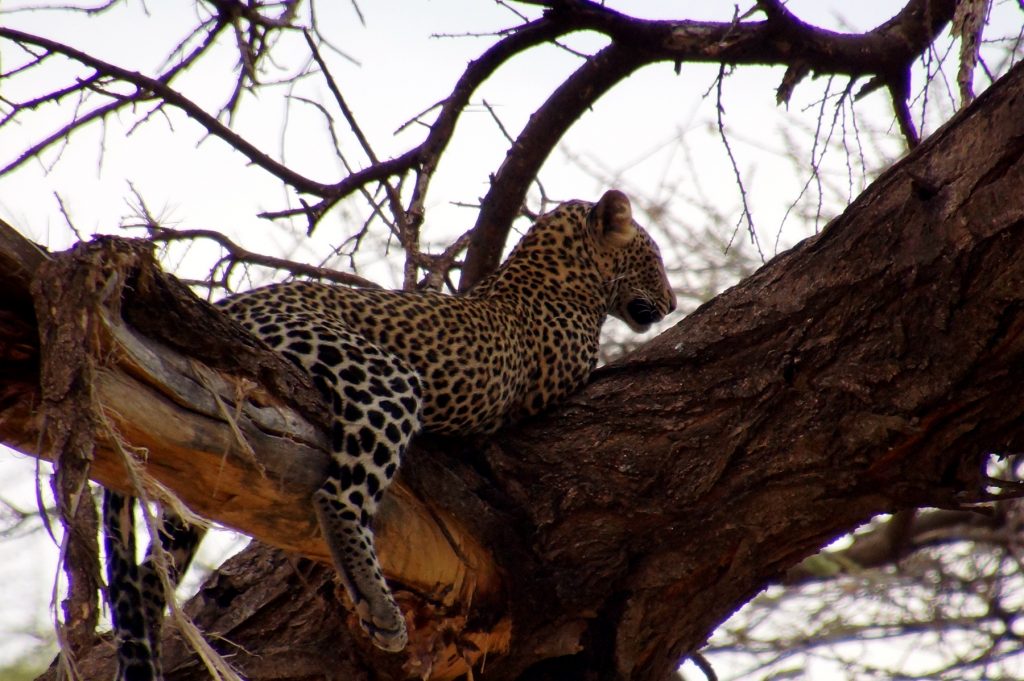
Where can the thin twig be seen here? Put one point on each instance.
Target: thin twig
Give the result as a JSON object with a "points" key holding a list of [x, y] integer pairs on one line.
{"points": [[720, 111], [408, 228]]}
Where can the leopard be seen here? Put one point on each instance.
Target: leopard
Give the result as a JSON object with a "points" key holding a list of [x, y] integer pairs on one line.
{"points": [[391, 364]]}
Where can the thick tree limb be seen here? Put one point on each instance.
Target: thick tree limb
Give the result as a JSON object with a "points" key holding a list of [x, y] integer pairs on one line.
{"points": [[886, 52], [872, 368]]}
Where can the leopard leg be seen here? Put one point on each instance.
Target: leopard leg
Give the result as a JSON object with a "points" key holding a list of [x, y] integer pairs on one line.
{"points": [[375, 400], [179, 540], [135, 593], [135, 656], [376, 405]]}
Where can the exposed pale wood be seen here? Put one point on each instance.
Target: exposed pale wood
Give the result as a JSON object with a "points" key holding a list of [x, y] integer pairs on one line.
{"points": [[161, 400], [237, 455]]}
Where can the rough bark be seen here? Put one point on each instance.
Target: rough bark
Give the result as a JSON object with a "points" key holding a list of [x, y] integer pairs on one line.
{"points": [[870, 369]]}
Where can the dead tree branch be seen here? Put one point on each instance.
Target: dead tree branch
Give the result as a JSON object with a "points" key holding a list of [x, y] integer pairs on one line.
{"points": [[883, 55]]}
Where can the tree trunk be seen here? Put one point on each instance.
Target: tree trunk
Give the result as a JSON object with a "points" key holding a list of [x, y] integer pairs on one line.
{"points": [[874, 367]]}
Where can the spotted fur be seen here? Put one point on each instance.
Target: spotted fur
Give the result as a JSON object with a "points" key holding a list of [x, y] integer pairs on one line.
{"points": [[391, 363], [135, 593]]}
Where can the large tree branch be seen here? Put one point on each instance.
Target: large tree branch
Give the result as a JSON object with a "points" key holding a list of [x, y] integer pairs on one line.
{"points": [[872, 368], [782, 39]]}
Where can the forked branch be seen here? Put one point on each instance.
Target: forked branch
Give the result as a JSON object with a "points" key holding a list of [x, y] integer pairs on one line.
{"points": [[883, 55]]}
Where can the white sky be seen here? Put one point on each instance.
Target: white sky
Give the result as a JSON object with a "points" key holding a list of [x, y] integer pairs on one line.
{"points": [[199, 183]]}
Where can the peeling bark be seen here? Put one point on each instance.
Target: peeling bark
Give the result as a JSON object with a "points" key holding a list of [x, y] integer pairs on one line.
{"points": [[870, 369]]}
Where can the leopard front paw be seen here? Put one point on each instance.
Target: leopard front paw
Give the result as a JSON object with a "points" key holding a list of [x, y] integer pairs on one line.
{"points": [[385, 624]]}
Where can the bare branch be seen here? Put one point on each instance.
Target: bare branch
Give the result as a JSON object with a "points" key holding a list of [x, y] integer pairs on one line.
{"points": [[148, 87], [406, 224], [243, 255], [887, 50], [508, 187], [899, 91]]}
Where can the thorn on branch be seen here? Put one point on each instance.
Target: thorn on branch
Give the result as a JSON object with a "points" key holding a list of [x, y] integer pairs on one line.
{"points": [[1016, 486], [312, 215], [775, 11], [873, 84], [794, 74]]}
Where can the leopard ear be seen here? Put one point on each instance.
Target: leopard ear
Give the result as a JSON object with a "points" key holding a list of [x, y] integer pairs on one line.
{"points": [[611, 220]]}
